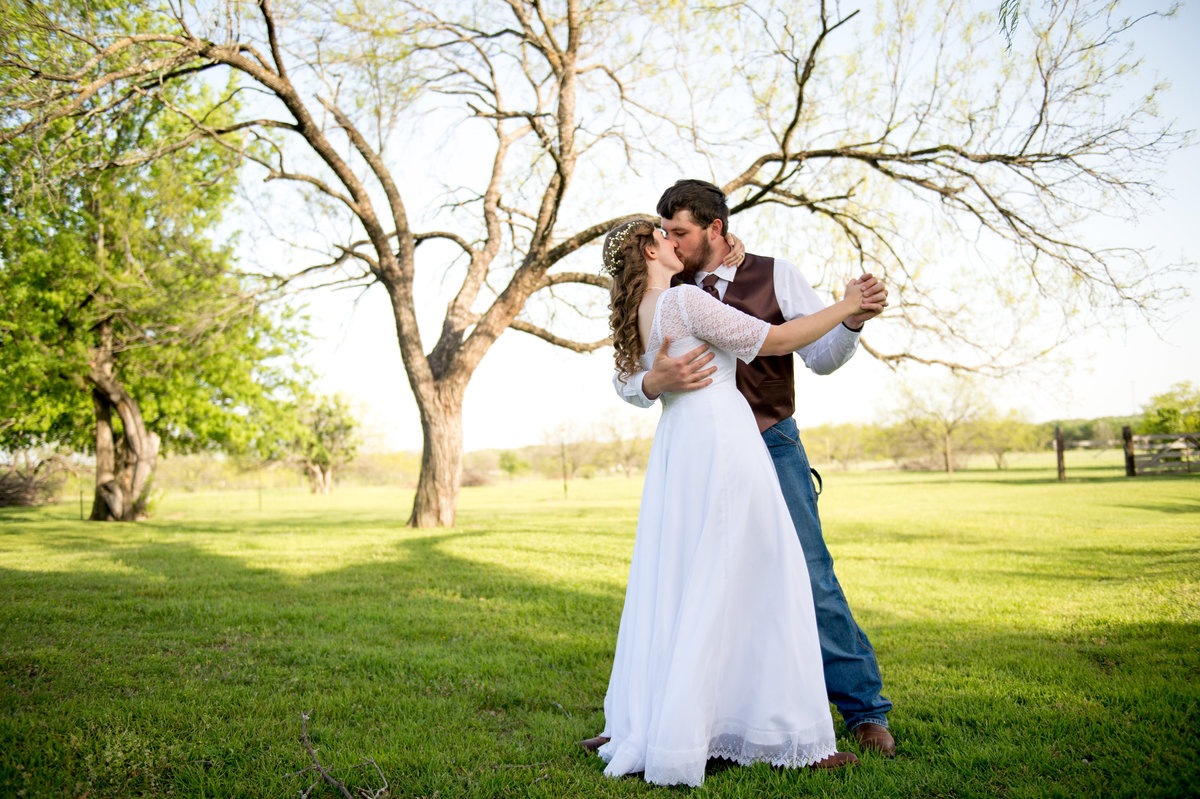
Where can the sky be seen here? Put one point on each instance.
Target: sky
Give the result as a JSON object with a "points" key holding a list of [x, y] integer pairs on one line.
{"points": [[526, 390]]}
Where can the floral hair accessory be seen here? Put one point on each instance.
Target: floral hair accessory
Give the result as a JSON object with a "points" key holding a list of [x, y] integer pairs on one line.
{"points": [[613, 248]]}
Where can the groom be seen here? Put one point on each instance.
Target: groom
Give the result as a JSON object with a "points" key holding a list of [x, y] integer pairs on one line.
{"points": [[695, 217]]}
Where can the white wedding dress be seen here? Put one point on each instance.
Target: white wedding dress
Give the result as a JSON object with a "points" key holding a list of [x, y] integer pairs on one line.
{"points": [[717, 653]]}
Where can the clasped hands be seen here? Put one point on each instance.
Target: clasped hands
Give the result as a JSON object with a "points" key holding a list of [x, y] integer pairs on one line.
{"points": [[874, 294], [691, 370]]}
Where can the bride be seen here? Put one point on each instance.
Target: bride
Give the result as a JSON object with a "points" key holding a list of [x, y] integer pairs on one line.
{"points": [[717, 653]]}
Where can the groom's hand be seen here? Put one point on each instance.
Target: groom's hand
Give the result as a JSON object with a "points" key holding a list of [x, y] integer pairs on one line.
{"points": [[685, 373], [873, 292]]}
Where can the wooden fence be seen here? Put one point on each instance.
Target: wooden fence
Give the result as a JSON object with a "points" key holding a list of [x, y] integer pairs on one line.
{"points": [[1161, 454]]}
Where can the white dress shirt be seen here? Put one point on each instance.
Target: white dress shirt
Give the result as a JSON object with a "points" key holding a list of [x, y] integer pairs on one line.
{"points": [[796, 297]]}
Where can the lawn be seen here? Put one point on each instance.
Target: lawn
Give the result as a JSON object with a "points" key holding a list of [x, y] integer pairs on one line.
{"points": [[1037, 638]]}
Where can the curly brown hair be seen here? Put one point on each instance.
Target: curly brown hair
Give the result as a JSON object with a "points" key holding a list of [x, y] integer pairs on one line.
{"points": [[624, 259]]}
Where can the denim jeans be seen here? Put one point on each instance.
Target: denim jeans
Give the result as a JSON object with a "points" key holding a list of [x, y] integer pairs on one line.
{"points": [[851, 672]]}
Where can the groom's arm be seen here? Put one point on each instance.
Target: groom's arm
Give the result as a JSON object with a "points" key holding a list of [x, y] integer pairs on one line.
{"points": [[631, 390], [688, 372], [797, 298]]}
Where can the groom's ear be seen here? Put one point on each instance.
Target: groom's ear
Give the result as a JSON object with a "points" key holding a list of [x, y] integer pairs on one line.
{"points": [[717, 229]]}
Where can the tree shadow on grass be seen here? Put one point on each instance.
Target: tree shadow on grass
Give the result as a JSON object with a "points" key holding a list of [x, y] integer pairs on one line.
{"points": [[1164, 507], [1083, 564], [447, 652]]}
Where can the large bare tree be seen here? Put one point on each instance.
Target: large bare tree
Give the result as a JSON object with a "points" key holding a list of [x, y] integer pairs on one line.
{"points": [[897, 135]]}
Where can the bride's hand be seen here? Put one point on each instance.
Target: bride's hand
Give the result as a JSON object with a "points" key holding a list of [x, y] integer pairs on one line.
{"points": [[737, 251], [854, 295]]}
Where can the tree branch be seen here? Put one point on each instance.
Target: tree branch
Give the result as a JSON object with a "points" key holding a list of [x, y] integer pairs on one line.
{"points": [[558, 341]]}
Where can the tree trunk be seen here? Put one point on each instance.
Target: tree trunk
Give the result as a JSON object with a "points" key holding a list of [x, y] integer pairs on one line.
{"points": [[109, 499], [320, 478], [123, 466], [948, 454], [441, 460]]}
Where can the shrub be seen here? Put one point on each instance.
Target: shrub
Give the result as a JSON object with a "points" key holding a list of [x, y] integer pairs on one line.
{"points": [[23, 487]]}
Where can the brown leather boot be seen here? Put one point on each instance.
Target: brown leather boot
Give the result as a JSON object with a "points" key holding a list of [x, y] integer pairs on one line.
{"points": [[836, 760], [875, 738]]}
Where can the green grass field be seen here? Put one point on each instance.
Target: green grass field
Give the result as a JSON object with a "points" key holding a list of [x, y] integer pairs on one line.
{"points": [[1037, 638]]}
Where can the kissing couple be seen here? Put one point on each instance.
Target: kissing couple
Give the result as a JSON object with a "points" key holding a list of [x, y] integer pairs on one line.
{"points": [[735, 635]]}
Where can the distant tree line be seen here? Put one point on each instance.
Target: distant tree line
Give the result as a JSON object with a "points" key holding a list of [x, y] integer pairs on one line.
{"points": [[936, 430], [321, 435]]}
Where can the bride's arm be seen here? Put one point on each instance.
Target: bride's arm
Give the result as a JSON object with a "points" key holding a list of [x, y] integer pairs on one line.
{"points": [[747, 337], [804, 330]]}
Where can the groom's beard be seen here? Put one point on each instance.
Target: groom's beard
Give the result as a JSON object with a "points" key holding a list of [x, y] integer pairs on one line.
{"points": [[693, 265]]}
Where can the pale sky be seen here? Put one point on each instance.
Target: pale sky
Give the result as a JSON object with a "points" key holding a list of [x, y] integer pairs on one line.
{"points": [[525, 387]]}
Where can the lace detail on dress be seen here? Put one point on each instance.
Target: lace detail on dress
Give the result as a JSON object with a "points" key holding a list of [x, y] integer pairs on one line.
{"points": [[788, 754], [688, 311], [797, 750]]}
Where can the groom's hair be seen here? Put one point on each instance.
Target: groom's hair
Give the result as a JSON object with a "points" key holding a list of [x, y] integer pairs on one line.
{"points": [[704, 200]]}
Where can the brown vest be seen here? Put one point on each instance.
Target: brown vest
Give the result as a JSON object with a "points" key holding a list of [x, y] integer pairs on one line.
{"points": [[769, 381]]}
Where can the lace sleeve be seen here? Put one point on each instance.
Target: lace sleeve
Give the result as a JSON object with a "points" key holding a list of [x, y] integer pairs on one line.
{"points": [[711, 320]]}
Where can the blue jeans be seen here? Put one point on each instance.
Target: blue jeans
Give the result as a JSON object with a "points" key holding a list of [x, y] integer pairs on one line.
{"points": [[851, 672]]}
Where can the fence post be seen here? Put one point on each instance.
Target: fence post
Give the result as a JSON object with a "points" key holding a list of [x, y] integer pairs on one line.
{"points": [[1058, 446], [1130, 464], [562, 432]]}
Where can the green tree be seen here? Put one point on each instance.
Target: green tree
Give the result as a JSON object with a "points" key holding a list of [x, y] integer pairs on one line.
{"points": [[124, 328], [570, 449], [1176, 410], [1103, 428], [839, 445], [325, 438], [512, 464], [1007, 17], [942, 416], [1000, 434], [895, 441]]}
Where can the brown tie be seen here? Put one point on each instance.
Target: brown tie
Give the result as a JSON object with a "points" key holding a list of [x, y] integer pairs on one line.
{"points": [[710, 285]]}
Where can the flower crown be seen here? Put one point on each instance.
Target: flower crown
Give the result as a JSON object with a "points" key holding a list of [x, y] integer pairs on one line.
{"points": [[614, 247]]}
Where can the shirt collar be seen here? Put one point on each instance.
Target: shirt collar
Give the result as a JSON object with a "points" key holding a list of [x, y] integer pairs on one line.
{"points": [[723, 272]]}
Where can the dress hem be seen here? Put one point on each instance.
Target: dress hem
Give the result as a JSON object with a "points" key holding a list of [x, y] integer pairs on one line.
{"points": [[691, 772]]}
